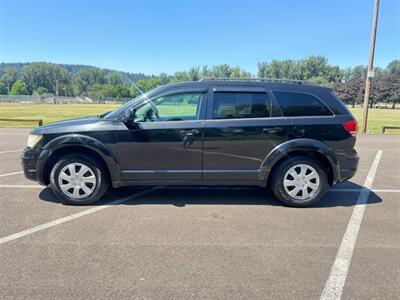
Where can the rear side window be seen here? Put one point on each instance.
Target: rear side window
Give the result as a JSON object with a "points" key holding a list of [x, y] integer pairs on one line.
{"points": [[232, 105], [299, 105]]}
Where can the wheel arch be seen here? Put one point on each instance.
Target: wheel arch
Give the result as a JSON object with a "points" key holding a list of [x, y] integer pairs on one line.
{"points": [[81, 144], [301, 147]]}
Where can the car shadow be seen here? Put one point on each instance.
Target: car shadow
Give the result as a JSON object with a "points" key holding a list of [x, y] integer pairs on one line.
{"points": [[345, 194]]}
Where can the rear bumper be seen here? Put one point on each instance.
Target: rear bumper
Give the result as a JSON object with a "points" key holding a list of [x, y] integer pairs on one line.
{"points": [[348, 166]]}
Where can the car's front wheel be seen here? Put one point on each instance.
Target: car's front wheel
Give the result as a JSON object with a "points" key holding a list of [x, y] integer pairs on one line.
{"points": [[78, 179], [299, 181]]}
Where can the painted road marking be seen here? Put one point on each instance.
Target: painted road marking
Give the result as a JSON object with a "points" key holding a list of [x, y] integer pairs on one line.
{"points": [[359, 190], [11, 151], [385, 191], [86, 212], [9, 174], [21, 186], [337, 277]]}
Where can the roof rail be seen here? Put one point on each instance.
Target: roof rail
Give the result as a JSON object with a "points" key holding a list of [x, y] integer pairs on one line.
{"points": [[253, 79]]}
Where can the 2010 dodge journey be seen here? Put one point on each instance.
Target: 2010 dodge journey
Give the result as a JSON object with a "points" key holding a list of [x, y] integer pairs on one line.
{"points": [[294, 137]]}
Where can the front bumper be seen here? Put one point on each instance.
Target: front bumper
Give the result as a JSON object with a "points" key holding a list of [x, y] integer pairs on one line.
{"points": [[29, 160]]}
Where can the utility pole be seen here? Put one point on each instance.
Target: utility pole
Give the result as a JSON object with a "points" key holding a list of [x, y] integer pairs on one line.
{"points": [[370, 72]]}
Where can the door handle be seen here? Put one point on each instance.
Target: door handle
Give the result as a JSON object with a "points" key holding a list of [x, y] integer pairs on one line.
{"points": [[190, 132], [236, 130], [268, 130], [272, 129]]}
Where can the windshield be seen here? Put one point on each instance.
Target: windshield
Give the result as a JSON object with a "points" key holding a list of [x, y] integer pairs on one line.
{"points": [[116, 112]]}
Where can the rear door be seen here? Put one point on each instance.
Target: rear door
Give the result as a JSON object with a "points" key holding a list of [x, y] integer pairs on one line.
{"points": [[243, 125]]}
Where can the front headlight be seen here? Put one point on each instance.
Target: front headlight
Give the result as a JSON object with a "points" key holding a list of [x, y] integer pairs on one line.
{"points": [[33, 139]]}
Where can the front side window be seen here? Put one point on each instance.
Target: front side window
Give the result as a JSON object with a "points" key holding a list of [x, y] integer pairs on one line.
{"points": [[178, 107], [233, 105], [300, 105]]}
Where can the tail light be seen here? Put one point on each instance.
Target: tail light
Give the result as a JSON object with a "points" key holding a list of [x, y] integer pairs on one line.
{"points": [[351, 127]]}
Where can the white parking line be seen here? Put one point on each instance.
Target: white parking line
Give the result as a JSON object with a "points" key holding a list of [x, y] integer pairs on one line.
{"points": [[86, 212], [9, 174], [385, 191], [337, 277], [10, 151], [21, 186]]}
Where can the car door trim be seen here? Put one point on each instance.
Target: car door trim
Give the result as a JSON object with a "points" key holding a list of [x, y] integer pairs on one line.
{"points": [[191, 171]]}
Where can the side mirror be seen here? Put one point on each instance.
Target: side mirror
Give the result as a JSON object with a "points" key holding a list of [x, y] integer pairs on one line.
{"points": [[129, 116]]}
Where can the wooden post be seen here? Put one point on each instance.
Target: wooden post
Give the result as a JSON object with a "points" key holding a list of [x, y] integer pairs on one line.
{"points": [[370, 68]]}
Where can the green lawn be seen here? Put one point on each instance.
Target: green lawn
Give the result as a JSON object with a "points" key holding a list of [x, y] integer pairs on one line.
{"points": [[51, 113], [378, 118]]}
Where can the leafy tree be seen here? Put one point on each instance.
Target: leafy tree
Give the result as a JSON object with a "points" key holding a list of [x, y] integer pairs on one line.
{"points": [[349, 83], [239, 73], [386, 88], [194, 73], [115, 78], [359, 72], [115, 91], [10, 76], [309, 68], [50, 76], [41, 90], [181, 76], [351, 91], [164, 78], [394, 67], [221, 71], [393, 81], [321, 80], [19, 88], [3, 88], [85, 78], [205, 72], [144, 85]]}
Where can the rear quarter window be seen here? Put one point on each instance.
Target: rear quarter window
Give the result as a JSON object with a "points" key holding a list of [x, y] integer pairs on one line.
{"points": [[295, 104], [232, 105]]}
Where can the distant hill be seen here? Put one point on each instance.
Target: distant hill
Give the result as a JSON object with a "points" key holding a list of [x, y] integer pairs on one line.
{"points": [[73, 69]]}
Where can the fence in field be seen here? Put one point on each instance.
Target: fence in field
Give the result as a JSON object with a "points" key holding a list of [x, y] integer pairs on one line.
{"points": [[43, 99]]}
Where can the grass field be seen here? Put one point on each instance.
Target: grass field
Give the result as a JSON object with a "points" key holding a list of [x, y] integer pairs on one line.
{"points": [[51, 113], [378, 118]]}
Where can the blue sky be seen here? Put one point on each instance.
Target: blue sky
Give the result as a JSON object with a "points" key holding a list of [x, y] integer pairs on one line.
{"points": [[168, 36]]}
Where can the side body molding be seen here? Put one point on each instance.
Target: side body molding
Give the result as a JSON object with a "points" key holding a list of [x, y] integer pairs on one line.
{"points": [[303, 145], [84, 141]]}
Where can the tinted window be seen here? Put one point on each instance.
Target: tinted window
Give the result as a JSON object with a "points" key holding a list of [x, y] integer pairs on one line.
{"points": [[179, 107], [231, 105], [299, 104]]}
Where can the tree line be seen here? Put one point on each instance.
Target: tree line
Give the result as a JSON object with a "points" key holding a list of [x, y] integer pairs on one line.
{"points": [[78, 80]]}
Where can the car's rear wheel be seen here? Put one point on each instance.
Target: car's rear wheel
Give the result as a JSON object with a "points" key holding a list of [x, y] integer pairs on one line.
{"points": [[299, 181], [78, 179]]}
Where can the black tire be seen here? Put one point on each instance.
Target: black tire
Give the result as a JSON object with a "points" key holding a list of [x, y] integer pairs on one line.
{"points": [[277, 181], [100, 188]]}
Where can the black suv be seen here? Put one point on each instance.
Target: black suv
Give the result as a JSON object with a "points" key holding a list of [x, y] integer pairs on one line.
{"points": [[293, 136]]}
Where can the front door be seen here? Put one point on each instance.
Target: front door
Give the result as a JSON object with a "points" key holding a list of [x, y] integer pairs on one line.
{"points": [[165, 142], [243, 125]]}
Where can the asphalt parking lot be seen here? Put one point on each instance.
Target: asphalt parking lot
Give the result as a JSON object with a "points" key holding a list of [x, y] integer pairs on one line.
{"points": [[203, 242]]}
